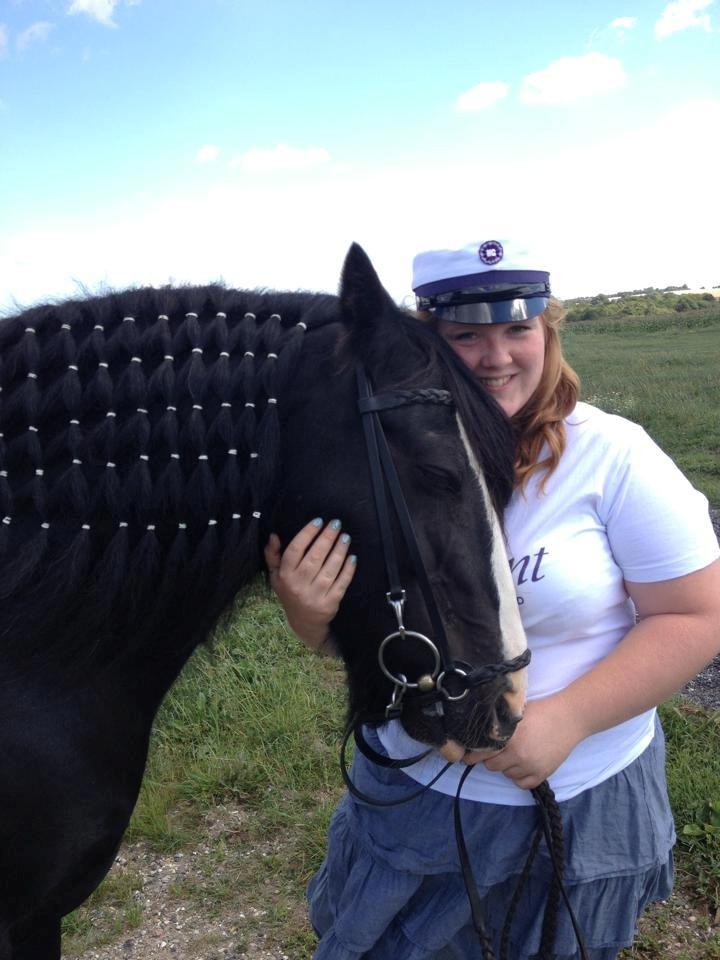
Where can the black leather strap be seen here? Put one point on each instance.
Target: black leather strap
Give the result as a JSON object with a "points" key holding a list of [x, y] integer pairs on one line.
{"points": [[378, 483], [382, 471]]}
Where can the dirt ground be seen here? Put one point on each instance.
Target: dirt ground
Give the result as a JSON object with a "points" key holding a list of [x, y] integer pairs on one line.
{"points": [[177, 926]]}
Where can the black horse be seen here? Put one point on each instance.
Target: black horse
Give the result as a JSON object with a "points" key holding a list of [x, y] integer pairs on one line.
{"points": [[149, 441]]}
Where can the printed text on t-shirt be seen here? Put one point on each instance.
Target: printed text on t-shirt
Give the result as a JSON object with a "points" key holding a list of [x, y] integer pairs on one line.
{"points": [[520, 567]]}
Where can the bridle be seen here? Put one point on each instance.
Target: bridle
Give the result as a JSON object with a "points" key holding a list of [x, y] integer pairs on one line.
{"points": [[448, 680]]}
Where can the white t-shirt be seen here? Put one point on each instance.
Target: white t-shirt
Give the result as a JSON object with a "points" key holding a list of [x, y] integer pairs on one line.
{"points": [[615, 509]]}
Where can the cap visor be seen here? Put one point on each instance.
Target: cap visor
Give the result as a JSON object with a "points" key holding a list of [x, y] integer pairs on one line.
{"points": [[502, 311]]}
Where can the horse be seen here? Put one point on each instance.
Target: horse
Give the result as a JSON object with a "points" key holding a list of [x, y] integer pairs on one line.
{"points": [[149, 442]]}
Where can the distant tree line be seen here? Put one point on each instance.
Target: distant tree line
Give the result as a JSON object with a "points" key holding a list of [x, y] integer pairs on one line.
{"points": [[638, 303]]}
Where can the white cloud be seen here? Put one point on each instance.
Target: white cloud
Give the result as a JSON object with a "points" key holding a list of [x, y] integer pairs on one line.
{"points": [[3, 40], [481, 96], [35, 33], [207, 153], [623, 23], [573, 78], [281, 157], [681, 14], [100, 10]]}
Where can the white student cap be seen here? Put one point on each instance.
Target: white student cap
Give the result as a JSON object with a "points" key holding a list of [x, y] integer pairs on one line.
{"points": [[490, 281]]}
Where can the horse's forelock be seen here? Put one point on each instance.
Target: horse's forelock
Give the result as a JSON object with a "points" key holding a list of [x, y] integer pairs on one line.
{"points": [[488, 430]]}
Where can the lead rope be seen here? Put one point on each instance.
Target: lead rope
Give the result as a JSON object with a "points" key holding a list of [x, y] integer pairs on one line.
{"points": [[549, 829]]}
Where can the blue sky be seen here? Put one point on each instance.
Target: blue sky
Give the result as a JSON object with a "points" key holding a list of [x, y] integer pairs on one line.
{"points": [[149, 140]]}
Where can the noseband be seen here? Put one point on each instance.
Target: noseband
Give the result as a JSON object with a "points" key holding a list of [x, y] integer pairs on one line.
{"points": [[449, 679]]}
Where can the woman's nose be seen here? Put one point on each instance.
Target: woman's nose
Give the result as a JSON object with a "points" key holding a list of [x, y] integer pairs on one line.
{"points": [[493, 354]]}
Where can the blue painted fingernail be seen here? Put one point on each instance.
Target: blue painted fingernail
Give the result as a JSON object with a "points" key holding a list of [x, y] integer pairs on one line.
{"points": [[335, 524], [317, 522], [353, 558], [345, 538]]}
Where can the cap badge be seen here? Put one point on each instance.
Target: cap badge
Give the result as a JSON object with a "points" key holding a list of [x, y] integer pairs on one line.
{"points": [[491, 252]]}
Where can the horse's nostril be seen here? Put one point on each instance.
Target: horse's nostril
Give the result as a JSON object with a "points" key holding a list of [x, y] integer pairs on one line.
{"points": [[513, 699], [506, 719]]}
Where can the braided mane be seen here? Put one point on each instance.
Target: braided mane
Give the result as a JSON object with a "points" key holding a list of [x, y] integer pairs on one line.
{"points": [[139, 444]]}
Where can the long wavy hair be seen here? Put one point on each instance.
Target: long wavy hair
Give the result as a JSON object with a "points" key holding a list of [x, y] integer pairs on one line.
{"points": [[539, 424]]}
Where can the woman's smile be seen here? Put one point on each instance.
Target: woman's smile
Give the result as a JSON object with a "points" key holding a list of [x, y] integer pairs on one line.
{"points": [[495, 383]]}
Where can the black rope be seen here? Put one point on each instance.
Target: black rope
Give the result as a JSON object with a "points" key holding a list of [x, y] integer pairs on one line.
{"points": [[476, 908], [366, 749], [519, 888]]}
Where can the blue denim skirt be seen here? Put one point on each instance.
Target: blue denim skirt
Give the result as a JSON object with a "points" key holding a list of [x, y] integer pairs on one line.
{"points": [[390, 887]]}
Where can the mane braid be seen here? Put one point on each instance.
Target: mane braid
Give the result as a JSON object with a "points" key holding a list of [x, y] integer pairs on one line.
{"points": [[139, 449]]}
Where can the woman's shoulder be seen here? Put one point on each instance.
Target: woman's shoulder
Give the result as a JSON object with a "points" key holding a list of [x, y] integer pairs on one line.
{"points": [[587, 423]]}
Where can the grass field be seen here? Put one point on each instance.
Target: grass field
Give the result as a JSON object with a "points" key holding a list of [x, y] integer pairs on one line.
{"points": [[664, 374], [253, 724]]}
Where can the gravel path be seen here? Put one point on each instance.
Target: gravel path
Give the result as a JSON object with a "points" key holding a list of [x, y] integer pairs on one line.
{"points": [[705, 688], [177, 922]]}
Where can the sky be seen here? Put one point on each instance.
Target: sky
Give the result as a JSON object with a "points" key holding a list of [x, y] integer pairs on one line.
{"points": [[189, 141]]}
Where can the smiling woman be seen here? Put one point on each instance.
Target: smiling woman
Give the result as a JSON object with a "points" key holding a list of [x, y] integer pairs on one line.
{"points": [[616, 577]]}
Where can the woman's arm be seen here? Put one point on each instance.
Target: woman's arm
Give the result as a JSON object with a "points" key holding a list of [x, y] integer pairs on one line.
{"points": [[678, 633], [310, 578]]}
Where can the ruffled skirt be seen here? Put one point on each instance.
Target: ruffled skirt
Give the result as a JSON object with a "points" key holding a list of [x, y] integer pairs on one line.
{"points": [[391, 888]]}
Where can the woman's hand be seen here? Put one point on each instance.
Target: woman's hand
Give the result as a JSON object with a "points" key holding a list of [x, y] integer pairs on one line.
{"points": [[310, 578], [541, 742]]}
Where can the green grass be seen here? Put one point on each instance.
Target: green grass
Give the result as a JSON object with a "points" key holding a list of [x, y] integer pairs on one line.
{"points": [[660, 374], [693, 737], [254, 718]]}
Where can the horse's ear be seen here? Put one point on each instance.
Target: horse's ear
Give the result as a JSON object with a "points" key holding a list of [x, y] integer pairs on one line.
{"points": [[366, 307]]}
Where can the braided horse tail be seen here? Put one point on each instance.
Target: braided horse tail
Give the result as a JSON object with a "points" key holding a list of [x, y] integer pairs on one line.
{"points": [[139, 446]]}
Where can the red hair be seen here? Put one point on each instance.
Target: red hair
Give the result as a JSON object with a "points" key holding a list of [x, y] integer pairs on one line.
{"points": [[539, 423]]}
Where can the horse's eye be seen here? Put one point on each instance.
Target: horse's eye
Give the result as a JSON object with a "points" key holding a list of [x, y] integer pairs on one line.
{"points": [[440, 478]]}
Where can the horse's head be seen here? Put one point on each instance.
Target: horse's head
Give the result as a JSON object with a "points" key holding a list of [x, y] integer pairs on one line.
{"points": [[454, 461]]}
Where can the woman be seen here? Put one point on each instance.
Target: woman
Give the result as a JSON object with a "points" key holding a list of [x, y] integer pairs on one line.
{"points": [[618, 580]]}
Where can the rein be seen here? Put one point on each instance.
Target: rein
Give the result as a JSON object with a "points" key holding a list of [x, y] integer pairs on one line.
{"points": [[429, 690]]}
